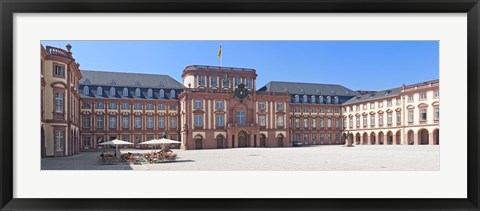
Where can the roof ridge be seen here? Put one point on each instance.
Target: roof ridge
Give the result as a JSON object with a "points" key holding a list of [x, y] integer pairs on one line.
{"points": [[113, 72]]}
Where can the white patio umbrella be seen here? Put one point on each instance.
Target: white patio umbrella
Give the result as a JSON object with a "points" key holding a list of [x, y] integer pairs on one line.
{"points": [[116, 142], [164, 141]]}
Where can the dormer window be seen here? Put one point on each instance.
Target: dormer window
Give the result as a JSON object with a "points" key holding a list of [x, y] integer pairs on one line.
{"points": [[301, 91], [125, 92], [320, 99], [162, 93], [112, 91], [113, 83], [297, 98], [329, 100], [201, 80], [137, 92], [99, 91], [150, 93], [172, 94], [86, 90], [335, 99], [313, 99], [305, 99]]}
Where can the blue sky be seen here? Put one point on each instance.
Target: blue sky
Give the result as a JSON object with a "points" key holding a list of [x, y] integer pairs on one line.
{"points": [[358, 65]]}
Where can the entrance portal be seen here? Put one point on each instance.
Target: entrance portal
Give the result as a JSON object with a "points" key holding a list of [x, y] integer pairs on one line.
{"points": [[262, 140], [242, 139], [198, 142], [220, 141]]}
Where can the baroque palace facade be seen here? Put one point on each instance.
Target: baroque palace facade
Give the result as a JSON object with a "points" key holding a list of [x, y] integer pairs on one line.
{"points": [[221, 107]]}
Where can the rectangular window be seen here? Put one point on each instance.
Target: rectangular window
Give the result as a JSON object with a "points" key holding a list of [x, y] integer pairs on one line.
{"points": [[198, 104], [261, 105], [305, 138], [138, 122], [337, 123], [262, 120], [238, 81], [314, 123], [173, 107], [280, 121], [198, 120], [59, 71], [410, 98], [149, 122], [126, 122], [161, 106], [337, 137], [113, 122], [380, 104], [436, 94], [329, 123], [305, 123], [149, 106], [364, 121], [201, 80], [138, 106], [173, 122], [213, 81], [126, 138], [436, 115], [112, 106], [410, 116], [389, 118], [249, 83], [358, 122], [389, 103], [86, 141], [399, 118], [329, 110], [357, 108], [100, 105], [86, 122], [219, 105], [125, 106], [372, 105], [297, 123], [161, 122], [350, 122], [322, 137], [321, 110], [220, 121], [423, 114], [241, 117], [380, 119], [329, 137], [322, 123], [279, 106], [372, 120], [399, 101], [422, 96], [305, 110], [344, 123], [364, 107], [86, 105], [59, 102], [99, 122], [138, 139], [59, 140]]}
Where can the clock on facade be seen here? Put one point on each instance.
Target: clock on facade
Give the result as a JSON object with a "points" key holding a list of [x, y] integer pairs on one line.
{"points": [[241, 92]]}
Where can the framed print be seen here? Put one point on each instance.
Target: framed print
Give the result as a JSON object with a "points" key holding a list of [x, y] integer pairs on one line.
{"points": [[260, 105]]}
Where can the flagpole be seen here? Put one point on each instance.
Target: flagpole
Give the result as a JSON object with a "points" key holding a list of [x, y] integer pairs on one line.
{"points": [[221, 55]]}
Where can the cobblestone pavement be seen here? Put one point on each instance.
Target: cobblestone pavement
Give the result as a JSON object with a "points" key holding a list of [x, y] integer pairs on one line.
{"points": [[306, 158]]}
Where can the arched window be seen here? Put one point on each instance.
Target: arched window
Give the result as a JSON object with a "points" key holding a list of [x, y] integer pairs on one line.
{"points": [[335, 99], [86, 90], [313, 99], [305, 99], [112, 91], [162, 93], [150, 93], [99, 91], [320, 99], [329, 100], [137, 92], [297, 98], [172, 94], [125, 92]]}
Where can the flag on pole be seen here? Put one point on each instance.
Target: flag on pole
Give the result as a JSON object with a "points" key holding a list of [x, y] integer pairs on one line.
{"points": [[220, 52]]}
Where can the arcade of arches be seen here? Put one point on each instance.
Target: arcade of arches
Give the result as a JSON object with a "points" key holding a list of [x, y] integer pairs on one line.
{"points": [[421, 136]]}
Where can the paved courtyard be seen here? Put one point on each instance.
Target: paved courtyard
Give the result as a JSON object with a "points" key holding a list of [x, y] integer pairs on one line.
{"points": [[306, 158]]}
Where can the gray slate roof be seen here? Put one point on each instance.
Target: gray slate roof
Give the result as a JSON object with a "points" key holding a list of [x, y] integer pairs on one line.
{"points": [[308, 88], [375, 96], [131, 81], [119, 79]]}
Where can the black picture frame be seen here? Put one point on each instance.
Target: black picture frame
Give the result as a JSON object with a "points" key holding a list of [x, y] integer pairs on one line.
{"points": [[10, 7]]}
